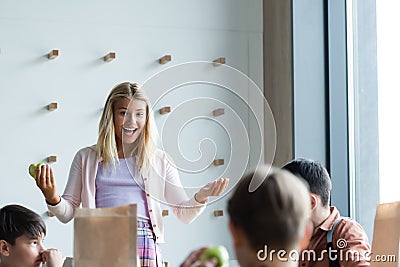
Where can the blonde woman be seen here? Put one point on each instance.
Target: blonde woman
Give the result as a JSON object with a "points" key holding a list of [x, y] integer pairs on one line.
{"points": [[125, 167]]}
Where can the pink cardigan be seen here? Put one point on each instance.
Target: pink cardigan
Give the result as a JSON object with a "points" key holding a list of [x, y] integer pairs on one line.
{"points": [[162, 184]]}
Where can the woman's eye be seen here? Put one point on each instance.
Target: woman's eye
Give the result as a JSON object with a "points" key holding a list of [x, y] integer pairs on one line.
{"points": [[122, 113]]}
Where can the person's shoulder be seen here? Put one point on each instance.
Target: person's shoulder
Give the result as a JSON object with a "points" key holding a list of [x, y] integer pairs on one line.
{"points": [[162, 157], [350, 226], [349, 221], [159, 154], [87, 151]]}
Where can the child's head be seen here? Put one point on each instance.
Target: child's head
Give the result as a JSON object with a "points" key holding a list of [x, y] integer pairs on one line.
{"points": [[21, 235], [126, 121], [275, 215]]}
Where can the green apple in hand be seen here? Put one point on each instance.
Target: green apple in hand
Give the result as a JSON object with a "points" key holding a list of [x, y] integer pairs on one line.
{"points": [[33, 167], [218, 252]]}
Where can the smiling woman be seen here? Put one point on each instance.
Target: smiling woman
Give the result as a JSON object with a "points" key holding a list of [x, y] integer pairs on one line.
{"points": [[125, 167]]}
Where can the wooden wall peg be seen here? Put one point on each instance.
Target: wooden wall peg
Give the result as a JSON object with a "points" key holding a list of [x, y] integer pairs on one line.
{"points": [[165, 213], [53, 54], [165, 110], [50, 214], [219, 61], [52, 159], [52, 106], [218, 112], [165, 59], [110, 56], [218, 213], [218, 162]]}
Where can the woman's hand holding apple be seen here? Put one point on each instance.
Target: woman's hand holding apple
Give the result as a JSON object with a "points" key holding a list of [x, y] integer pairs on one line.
{"points": [[47, 184]]}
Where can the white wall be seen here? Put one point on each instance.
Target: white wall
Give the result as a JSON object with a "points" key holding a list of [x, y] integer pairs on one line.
{"points": [[79, 80]]}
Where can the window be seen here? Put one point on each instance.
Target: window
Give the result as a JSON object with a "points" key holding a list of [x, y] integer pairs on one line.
{"points": [[388, 45], [362, 111]]}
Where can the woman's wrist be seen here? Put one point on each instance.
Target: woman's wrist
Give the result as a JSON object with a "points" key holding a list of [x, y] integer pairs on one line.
{"points": [[196, 197], [54, 200]]}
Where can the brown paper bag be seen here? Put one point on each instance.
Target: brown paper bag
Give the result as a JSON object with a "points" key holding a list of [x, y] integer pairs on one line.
{"points": [[105, 237], [386, 237]]}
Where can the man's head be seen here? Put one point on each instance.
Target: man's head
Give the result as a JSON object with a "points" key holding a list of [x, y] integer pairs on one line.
{"points": [[315, 174], [21, 235], [276, 214]]}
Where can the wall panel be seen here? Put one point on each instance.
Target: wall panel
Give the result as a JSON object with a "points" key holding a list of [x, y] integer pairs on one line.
{"points": [[79, 80]]}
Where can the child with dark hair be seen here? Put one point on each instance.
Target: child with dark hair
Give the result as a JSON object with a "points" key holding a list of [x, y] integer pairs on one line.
{"points": [[21, 239]]}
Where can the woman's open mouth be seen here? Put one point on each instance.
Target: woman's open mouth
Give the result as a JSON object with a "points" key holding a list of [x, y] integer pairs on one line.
{"points": [[129, 131]]}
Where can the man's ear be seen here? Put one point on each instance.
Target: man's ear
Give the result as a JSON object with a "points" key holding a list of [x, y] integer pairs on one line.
{"points": [[314, 201], [4, 248], [307, 235]]}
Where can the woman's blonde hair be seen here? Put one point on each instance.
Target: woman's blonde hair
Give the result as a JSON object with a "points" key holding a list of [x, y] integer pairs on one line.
{"points": [[146, 142]]}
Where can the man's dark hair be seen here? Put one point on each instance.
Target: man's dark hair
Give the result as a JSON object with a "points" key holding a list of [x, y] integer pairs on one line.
{"points": [[315, 175], [16, 220], [275, 214]]}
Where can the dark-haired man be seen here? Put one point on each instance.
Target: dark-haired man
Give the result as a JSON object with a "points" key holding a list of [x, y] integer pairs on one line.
{"points": [[336, 240]]}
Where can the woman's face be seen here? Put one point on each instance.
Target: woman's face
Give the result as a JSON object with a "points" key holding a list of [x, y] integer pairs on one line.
{"points": [[129, 120]]}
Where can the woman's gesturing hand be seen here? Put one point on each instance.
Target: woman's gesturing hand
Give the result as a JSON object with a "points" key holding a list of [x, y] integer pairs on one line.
{"points": [[214, 188]]}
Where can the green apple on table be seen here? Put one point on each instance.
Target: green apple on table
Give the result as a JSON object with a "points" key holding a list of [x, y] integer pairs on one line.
{"points": [[33, 168], [218, 252]]}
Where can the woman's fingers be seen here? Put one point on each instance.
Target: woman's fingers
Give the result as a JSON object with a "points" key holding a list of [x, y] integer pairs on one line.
{"points": [[52, 181], [41, 176], [46, 182], [48, 178], [214, 188], [219, 186], [224, 185]]}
